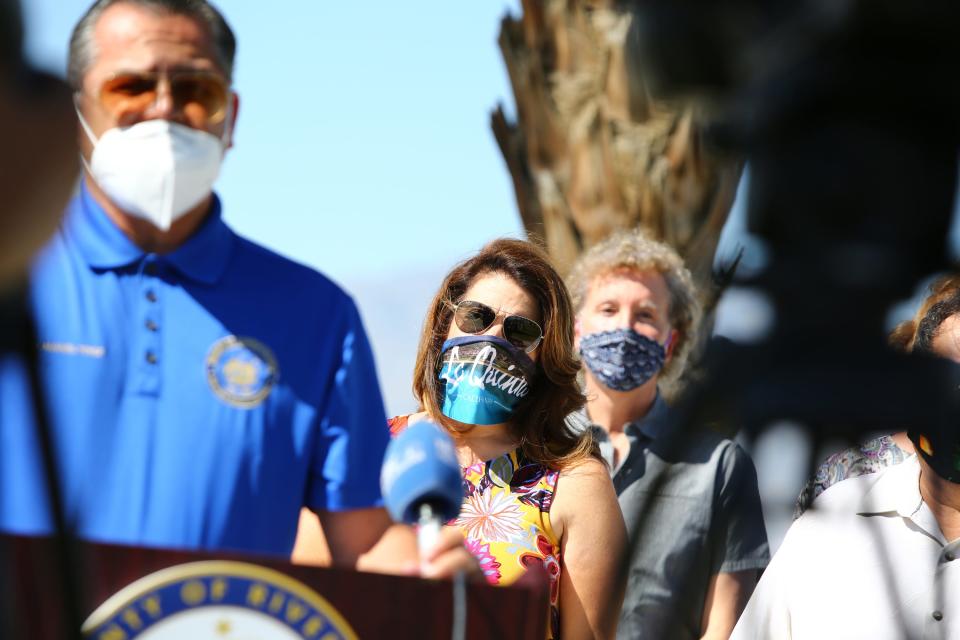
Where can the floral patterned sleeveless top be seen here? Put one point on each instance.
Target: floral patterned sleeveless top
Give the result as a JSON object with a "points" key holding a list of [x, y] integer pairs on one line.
{"points": [[505, 520]]}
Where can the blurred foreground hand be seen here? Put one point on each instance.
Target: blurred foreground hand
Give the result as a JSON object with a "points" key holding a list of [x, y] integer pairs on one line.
{"points": [[394, 553]]}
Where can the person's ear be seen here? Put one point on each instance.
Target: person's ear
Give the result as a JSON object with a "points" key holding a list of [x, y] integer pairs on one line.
{"points": [[576, 334], [671, 343], [231, 121]]}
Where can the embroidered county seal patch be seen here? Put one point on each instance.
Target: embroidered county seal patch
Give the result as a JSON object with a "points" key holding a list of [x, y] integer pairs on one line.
{"points": [[241, 371]]}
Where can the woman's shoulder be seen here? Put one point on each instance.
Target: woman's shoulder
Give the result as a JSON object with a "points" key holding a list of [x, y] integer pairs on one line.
{"points": [[588, 469], [579, 482], [584, 491], [398, 423]]}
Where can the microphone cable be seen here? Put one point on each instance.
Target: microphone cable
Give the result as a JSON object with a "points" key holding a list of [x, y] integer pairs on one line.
{"points": [[459, 626]]}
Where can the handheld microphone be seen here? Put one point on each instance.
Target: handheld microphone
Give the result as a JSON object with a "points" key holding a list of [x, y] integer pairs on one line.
{"points": [[421, 481]]}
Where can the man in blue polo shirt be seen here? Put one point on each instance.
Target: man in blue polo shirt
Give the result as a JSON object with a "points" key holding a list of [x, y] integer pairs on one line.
{"points": [[202, 389]]}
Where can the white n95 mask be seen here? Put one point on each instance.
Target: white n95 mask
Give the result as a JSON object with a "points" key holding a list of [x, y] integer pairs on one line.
{"points": [[156, 170]]}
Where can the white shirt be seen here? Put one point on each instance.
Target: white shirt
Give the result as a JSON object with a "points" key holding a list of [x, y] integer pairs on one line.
{"points": [[868, 560]]}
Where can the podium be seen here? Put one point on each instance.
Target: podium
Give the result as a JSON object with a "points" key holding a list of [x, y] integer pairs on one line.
{"points": [[124, 591]]}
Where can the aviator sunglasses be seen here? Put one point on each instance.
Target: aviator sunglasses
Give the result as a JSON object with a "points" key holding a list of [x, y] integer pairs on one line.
{"points": [[200, 95], [476, 317]]}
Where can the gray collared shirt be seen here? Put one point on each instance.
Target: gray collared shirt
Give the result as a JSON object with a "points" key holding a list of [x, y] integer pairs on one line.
{"points": [[702, 514]]}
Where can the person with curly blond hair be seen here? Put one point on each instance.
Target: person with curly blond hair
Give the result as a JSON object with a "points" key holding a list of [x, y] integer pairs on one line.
{"points": [[703, 541]]}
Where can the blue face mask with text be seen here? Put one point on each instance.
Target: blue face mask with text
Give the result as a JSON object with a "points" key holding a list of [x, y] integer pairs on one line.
{"points": [[622, 359], [484, 379]]}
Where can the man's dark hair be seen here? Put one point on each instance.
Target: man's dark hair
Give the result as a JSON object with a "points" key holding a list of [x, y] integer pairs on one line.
{"points": [[918, 333], [82, 51], [929, 327]]}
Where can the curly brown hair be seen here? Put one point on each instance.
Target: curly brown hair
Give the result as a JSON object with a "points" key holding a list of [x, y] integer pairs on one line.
{"points": [[538, 424], [917, 333]]}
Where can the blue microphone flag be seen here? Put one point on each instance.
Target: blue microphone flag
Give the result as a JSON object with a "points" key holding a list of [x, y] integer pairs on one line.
{"points": [[420, 466]]}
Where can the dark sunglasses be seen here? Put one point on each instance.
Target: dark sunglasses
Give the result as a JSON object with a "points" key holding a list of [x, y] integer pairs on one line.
{"points": [[476, 317]]}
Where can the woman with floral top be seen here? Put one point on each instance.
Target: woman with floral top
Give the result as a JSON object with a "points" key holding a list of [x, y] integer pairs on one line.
{"points": [[496, 368]]}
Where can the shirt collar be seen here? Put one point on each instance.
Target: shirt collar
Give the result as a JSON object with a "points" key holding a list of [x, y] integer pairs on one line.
{"points": [[203, 257], [651, 425], [654, 423], [580, 422], [205, 254], [897, 490], [101, 243]]}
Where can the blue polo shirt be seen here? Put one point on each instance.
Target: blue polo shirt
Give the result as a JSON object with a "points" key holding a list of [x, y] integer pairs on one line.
{"points": [[198, 398]]}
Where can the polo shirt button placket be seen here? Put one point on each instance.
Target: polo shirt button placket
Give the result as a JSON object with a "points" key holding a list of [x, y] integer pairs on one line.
{"points": [[937, 615], [150, 327]]}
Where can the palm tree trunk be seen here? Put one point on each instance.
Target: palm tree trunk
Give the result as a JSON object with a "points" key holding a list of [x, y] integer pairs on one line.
{"points": [[591, 150]]}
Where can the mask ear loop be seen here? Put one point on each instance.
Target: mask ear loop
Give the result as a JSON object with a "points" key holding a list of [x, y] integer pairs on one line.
{"points": [[666, 345], [83, 121], [87, 130], [669, 343]]}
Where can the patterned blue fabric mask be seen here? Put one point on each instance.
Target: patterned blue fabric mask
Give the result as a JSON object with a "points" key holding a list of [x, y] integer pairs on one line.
{"points": [[622, 359], [484, 377]]}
